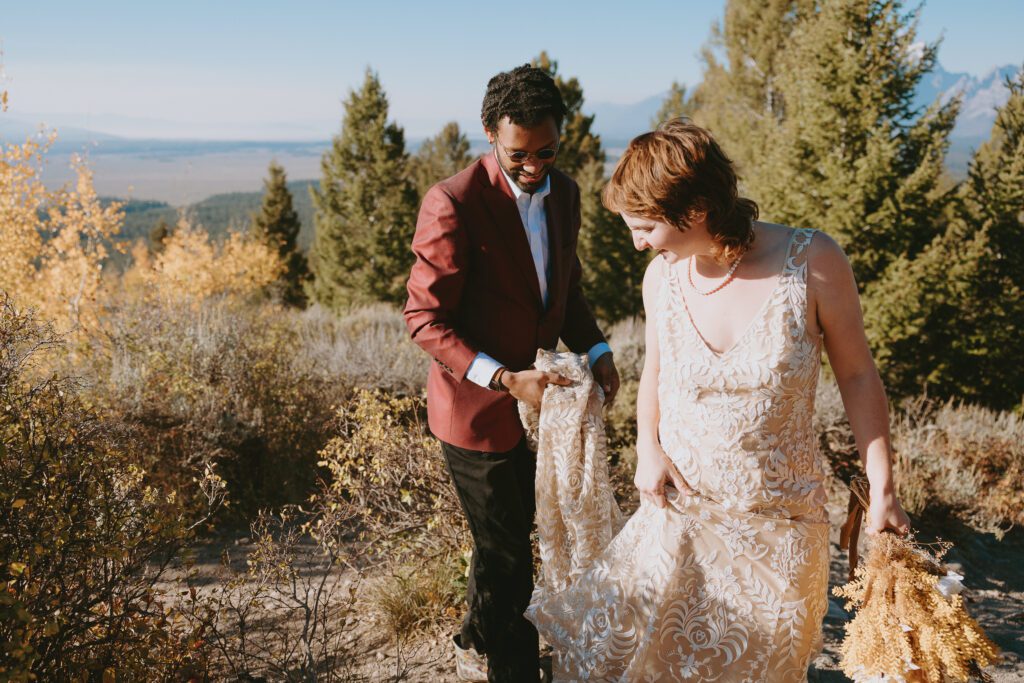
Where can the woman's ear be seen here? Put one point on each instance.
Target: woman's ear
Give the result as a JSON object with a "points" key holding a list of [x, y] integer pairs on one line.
{"points": [[697, 214]]}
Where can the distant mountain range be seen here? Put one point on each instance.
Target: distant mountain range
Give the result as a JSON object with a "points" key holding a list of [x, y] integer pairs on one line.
{"points": [[184, 172], [982, 95]]}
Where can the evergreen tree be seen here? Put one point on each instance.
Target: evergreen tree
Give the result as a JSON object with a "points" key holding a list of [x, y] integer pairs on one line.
{"points": [[578, 145], [848, 152], [440, 157], [158, 235], [952, 319], [365, 207], [674, 106], [277, 225], [613, 270], [738, 98]]}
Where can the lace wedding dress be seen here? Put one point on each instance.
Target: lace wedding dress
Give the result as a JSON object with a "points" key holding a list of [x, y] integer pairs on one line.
{"points": [[726, 585]]}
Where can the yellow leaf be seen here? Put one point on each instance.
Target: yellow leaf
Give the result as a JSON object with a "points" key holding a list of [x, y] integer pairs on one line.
{"points": [[17, 568], [18, 504]]}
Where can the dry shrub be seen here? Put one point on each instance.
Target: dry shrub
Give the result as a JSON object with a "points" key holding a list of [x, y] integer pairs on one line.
{"points": [[85, 538], [388, 477], [390, 494], [962, 460], [289, 614], [192, 268], [219, 381], [368, 346]]}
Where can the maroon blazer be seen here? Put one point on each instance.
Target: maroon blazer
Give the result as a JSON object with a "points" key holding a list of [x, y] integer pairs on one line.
{"points": [[474, 288]]}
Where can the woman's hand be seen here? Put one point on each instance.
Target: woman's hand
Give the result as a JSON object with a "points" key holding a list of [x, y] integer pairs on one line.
{"points": [[654, 469], [886, 514]]}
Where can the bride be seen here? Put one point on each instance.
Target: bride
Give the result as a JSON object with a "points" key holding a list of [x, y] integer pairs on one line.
{"points": [[722, 574]]}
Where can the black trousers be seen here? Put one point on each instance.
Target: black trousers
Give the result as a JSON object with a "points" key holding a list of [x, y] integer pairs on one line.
{"points": [[497, 495]]}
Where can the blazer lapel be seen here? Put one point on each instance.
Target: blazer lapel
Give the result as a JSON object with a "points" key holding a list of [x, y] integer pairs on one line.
{"points": [[502, 205]]}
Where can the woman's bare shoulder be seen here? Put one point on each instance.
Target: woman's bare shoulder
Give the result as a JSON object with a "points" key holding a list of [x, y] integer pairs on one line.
{"points": [[825, 258]]}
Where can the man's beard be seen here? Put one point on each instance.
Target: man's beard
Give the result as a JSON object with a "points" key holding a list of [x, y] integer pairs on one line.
{"points": [[530, 186]]}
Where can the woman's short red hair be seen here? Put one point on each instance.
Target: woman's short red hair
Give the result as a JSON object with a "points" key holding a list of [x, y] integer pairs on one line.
{"points": [[677, 173]]}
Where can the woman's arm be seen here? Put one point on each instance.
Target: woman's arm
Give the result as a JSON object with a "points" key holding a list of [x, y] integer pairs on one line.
{"points": [[653, 467], [833, 293], [647, 413]]}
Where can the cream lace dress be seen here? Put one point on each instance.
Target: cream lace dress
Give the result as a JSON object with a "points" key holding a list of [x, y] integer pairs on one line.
{"points": [[729, 584]]}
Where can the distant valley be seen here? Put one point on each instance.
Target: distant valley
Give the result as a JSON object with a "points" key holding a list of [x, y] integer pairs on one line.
{"points": [[219, 183]]}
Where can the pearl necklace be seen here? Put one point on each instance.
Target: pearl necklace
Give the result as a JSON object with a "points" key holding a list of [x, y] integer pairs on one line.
{"points": [[728, 276]]}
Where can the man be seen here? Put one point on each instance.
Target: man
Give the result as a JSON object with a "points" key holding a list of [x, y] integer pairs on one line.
{"points": [[496, 278]]}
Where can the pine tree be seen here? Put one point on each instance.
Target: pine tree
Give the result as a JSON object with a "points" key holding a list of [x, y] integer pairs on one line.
{"points": [[365, 207], [578, 145], [674, 106], [848, 152], [277, 225], [952, 319], [612, 269], [738, 97], [158, 235], [440, 157]]}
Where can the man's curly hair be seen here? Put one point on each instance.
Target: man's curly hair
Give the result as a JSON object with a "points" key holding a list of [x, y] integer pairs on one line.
{"points": [[526, 95]]}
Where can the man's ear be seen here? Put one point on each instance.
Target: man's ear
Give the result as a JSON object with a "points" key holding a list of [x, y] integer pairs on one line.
{"points": [[490, 135]]}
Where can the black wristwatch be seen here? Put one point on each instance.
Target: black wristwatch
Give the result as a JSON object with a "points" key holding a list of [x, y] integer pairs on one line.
{"points": [[495, 383]]}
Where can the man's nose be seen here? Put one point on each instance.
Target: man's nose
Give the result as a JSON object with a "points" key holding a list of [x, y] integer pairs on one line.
{"points": [[531, 166]]}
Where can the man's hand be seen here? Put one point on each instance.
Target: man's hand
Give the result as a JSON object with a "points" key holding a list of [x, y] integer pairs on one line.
{"points": [[607, 376], [528, 385]]}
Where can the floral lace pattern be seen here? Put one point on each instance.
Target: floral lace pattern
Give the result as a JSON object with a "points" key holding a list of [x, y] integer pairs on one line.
{"points": [[578, 515], [728, 584]]}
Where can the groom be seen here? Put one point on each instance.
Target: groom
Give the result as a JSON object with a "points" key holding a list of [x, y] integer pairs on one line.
{"points": [[496, 278]]}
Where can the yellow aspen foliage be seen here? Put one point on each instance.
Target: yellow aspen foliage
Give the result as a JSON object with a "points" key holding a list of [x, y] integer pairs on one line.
{"points": [[52, 243], [81, 231], [22, 197], [192, 267]]}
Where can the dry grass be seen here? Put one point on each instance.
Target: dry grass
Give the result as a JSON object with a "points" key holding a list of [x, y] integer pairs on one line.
{"points": [[417, 597], [369, 347], [964, 460], [951, 460]]}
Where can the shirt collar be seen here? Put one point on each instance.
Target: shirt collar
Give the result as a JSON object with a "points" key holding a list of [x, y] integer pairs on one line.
{"points": [[543, 191]]}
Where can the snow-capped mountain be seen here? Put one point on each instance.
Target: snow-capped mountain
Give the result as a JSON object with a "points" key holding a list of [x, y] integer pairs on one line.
{"points": [[982, 95]]}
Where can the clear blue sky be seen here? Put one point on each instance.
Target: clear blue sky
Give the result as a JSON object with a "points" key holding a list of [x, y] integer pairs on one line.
{"points": [[238, 69]]}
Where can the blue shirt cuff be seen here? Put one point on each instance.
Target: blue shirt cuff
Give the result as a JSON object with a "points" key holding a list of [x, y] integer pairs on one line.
{"points": [[482, 369], [596, 351]]}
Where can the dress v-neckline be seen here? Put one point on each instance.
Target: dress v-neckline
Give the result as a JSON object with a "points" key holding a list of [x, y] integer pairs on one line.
{"points": [[757, 316]]}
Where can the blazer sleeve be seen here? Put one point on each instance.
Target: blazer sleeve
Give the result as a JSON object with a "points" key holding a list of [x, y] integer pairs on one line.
{"points": [[579, 328], [436, 283]]}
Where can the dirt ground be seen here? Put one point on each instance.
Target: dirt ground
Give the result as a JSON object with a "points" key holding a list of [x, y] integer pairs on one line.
{"points": [[994, 572]]}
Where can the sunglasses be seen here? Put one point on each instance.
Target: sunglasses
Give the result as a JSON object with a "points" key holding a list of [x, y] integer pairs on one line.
{"points": [[519, 156]]}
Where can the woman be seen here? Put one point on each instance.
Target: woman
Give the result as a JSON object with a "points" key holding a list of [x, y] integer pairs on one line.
{"points": [[722, 574]]}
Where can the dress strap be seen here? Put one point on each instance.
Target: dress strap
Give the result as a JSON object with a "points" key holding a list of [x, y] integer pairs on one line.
{"points": [[796, 255], [667, 281]]}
